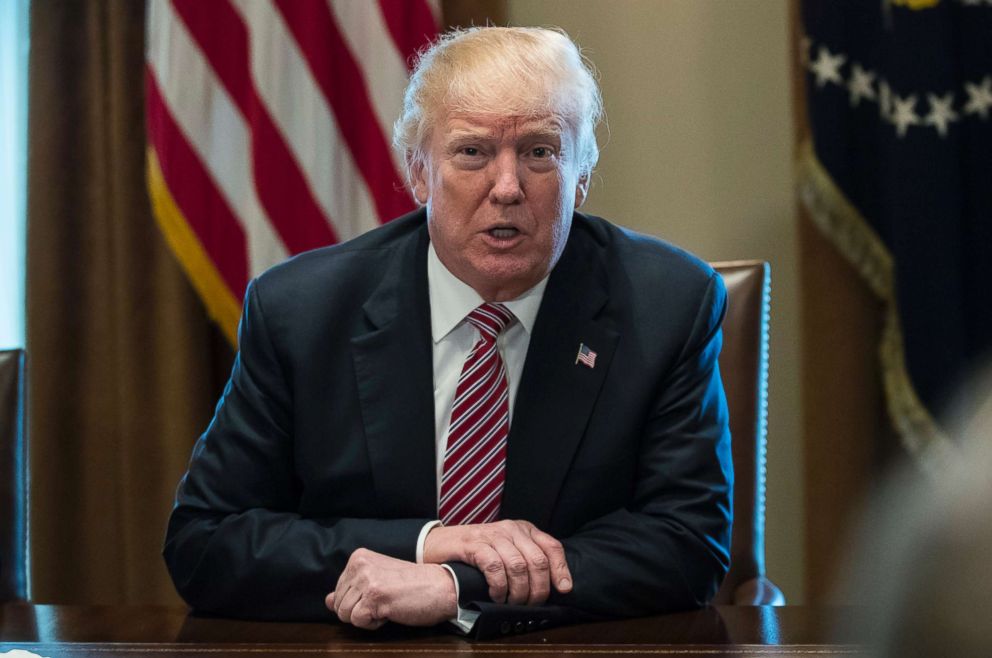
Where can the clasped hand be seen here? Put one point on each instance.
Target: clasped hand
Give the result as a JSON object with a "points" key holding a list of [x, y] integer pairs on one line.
{"points": [[375, 588], [521, 565]]}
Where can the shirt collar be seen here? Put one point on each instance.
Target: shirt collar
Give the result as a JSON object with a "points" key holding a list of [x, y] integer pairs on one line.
{"points": [[452, 299]]}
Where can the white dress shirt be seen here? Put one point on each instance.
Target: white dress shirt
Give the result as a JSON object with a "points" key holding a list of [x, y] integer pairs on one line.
{"points": [[453, 338]]}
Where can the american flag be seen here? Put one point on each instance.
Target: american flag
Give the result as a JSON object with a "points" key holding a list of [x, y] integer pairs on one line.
{"points": [[586, 356], [269, 125]]}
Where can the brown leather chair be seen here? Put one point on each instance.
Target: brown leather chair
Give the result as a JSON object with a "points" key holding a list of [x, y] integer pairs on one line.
{"points": [[13, 477], [744, 368]]}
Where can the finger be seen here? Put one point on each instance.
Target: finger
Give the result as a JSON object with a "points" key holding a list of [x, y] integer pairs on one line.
{"points": [[485, 558], [347, 603], [329, 601], [538, 571], [364, 616], [560, 574], [340, 588], [518, 578]]}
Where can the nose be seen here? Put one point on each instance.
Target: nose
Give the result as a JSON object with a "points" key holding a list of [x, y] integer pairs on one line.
{"points": [[506, 188]]}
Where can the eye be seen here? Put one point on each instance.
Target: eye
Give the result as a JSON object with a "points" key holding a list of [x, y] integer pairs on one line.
{"points": [[542, 152], [470, 155]]}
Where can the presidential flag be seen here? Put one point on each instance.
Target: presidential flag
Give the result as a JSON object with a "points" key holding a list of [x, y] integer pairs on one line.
{"points": [[898, 174], [269, 125]]}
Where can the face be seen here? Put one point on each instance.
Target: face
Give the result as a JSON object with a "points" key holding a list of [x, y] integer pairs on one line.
{"points": [[499, 194]]}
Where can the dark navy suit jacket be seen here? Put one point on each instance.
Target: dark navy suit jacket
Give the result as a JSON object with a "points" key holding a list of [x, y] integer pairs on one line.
{"points": [[323, 441]]}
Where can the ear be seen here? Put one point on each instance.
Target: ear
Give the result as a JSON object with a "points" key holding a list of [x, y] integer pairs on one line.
{"points": [[581, 190], [418, 180]]}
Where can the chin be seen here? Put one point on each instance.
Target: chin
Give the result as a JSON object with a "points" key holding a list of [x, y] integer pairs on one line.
{"points": [[518, 279]]}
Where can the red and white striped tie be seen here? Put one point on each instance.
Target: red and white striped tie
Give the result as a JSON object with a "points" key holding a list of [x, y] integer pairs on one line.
{"points": [[475, 458]]}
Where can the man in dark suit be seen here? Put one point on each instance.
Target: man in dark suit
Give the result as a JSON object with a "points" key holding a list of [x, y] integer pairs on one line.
{"points": [[494, 411]]}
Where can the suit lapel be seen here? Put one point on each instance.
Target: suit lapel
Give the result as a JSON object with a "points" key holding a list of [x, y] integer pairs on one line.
{"points": [[556, 395], [393, 366]]}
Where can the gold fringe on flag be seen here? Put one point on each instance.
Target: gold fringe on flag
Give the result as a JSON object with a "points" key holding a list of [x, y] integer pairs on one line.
{"points": [[222, 306], [854, 238]]}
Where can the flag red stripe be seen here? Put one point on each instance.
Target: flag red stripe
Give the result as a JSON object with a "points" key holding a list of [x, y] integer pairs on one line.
{"points": [[193, 189], [340, 79], [411, 25], [282, 187]]}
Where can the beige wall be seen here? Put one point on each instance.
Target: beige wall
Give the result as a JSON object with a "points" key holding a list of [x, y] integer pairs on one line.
{"points": [[698, 152]]}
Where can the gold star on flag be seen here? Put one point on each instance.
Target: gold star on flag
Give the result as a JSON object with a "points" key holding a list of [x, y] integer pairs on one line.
{"points": [[979, 98], [826, 68], [941, 112]]}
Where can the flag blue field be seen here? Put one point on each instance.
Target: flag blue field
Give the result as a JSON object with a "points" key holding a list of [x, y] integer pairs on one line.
{"points": [[898, 174]]}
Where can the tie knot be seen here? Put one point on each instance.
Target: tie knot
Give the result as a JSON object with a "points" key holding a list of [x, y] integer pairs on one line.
{"points": [[490, 319]]}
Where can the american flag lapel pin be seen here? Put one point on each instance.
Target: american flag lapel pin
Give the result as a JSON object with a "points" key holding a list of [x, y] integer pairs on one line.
{"points": [[585, 356]]}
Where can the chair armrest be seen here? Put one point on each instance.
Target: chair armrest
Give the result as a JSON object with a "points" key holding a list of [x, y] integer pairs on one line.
{"points": [[758, 591]]}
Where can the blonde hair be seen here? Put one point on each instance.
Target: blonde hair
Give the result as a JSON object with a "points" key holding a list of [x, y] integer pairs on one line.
{"points": [[505, 71]]}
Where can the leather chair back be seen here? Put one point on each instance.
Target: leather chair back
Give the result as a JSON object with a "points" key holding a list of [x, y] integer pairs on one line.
{"points": [[744, 368], [13, 477]]}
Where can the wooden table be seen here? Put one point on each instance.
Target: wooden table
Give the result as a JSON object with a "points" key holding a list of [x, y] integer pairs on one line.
{"points": [[148, 631]]}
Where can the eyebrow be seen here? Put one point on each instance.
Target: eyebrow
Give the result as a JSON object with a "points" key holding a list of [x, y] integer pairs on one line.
{"points": [[548, 131]]}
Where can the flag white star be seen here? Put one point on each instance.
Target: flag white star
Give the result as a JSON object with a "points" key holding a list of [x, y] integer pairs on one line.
{"points": [[941, 112], [826, 68], [861, 85], [979, 97], [903, 115]]}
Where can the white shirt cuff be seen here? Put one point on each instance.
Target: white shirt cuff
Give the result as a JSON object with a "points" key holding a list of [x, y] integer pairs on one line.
{"points": [[465, 620], [422, 539]]}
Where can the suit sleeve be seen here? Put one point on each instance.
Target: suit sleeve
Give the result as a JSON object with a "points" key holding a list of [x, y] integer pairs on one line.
{"points": [[669, 548], [235, 543]]}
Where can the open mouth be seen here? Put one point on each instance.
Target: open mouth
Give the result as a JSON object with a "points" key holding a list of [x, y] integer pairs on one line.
{"points": [[503, 233]]}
